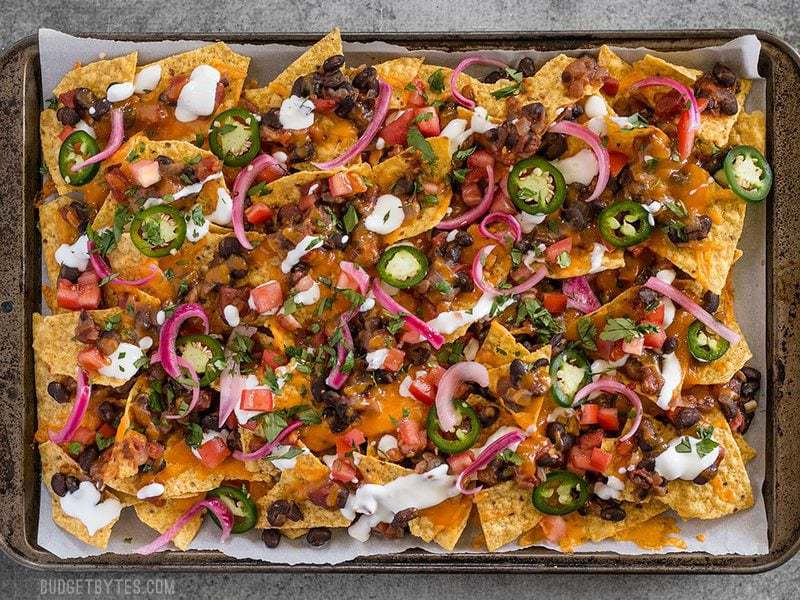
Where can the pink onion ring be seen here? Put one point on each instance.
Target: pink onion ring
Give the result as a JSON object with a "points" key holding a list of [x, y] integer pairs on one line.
{"points": [[241, 184], [357, 274], [480, 281], [114, 142], [336, 378], [215, 505], [379, 114], [464, 64], [169, 334], [467, 370], [665, 289], [82, 394], [103, 270], [269, 447], [580, 295], [413, 322], [514, 228], [182, 362], [593, 141], [487, 456], [615, 387], [231, 384], [476, 212]]}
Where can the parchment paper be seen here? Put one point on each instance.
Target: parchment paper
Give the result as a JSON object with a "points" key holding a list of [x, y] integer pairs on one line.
{"points": [[742, 533]]}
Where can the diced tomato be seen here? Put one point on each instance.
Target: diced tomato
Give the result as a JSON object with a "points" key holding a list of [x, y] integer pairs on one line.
{"points": [[267, 297], [655, 340], [396, 132], [480, 159], [357, 184], [207, 166], [435, 375], [685, 136], [635, 346], [219, 94], [394, 360], [618, 160], [625, 448], [345, 282], [428, 126], [145, 172], [554, 302], [411, 436], [259, 399], [416, 97], [459, 462], [655, 316], [270, 173], [608, 419], [350, 441], [66, 132], [591, 439], [106, 430], [579, 460], [600, 459], [324, 105], [75, 296], [155, 450], [589, 414], [68, 98], [343, 470], [272, 358], [289, 322], [83, 435], [553, 251], [423, 391], [339, 185], [258, 213], [702, 104], [553, 527], [213, 452], [175, 86], [610, 86], [605, 349], [91, 359], [471, 194], [668, 104]]}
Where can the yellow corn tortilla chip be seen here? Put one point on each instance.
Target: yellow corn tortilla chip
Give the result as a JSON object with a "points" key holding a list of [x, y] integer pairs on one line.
{"points": [[289, 189], [747, 451], [499, 347], [547, 88], [652, 66], [750, 129], [293, 534], [55, 231], [655, 533], [97, 76], [708, 261], [55, 460], [716, 129], [280, 88], [581, 264], [611, 61], [163, 517], [398, 73], [523, 407], [49, 128], [505, 513]]}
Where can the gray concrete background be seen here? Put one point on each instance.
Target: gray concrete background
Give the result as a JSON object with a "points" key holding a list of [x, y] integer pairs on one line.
{"points": [[781, 17]]}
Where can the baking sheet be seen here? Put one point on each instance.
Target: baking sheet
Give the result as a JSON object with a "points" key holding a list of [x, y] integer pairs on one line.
{"points": [[742, 533]]}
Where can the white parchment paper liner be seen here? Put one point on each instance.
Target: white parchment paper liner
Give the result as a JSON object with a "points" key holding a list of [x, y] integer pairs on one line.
{"points": [[741, 533]]}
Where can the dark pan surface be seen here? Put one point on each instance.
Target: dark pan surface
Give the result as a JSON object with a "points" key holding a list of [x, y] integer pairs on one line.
{"points": [[20, 292]]}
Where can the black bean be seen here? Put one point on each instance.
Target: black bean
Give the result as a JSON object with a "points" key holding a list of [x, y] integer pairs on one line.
{"points": [[333, 63], [84, 98], [418, 354], [711, 301], [344, 107], [72, 483], [67, 115], [59, 484], [318, 536], [403, 187], [164, 160], [336, 241], [751, 373], [526, 66], [555, 431], [301, 87], [272, 118], [271, 537], [647, 296], [278, 513], [366, 79], [517, 370], [612, 513], [749, 389], [58, 392], [229, 246], [547, 460], [685, 417], [69, 273], [383, 376], [209, 421], [463, 239], [553, 145], [301, 267], [670, 345], [706, 475], [295, 513], [101, 107], [463, 282], [234, 440], [724, 75], [542, 362], [87, 457], [108, 412], [451, 251], [495, 76]]}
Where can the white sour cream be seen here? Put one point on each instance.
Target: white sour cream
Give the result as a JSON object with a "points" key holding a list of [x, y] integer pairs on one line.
{"points": [[376, 358], [595, 106], [147, 79], [672, 464], [306, 245], [386, 443], [666, 275], [84, 126], [75, 255], [380, 143], [195, 188], [405, 387], [447, 322], [309, 296], [151, 490], [231, 314], [612, 489], [672, 374], [195, 232], [579, 168], [223, 212], [380, 503], [296, 113], [284, 464], [118, 92], [601, 367], [198, 96], [84, 504], [669, 312], [598, 252], [387, 215], [146, 343], [528, 222], [122, 362]]}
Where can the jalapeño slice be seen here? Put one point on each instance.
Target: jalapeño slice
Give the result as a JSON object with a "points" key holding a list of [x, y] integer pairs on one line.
{"points": [[536, 187], [158, 230], [234, 137], [561, 493], [569, 372], [705, 345], [748, 173], [242, 506], [462, 440], [625, 224], [203, 352], [78, 147], [403, 266]]}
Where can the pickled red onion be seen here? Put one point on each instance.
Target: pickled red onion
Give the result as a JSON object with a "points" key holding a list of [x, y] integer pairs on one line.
{"points": [[357, 274], [103, 270], [169, 334], [464, 64], [609, 385], [218, 507], [185, 364], [82, 394], [480, 281], [514, 228], [593, 141], [580, 295], [435, 338], [241, 184], [231, 384], [114, 142], [337, 377], [467, 370], [268, 448], [476, 212], [486, 457]]}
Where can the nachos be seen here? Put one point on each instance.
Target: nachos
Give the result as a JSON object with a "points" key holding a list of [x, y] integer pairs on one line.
{"points": [[394, 298]]}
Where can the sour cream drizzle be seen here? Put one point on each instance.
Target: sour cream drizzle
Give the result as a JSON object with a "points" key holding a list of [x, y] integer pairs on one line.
{"points": [[198, 96], [84, 504], [123, 361], [387, 215], [306, 245], [672, 464]]}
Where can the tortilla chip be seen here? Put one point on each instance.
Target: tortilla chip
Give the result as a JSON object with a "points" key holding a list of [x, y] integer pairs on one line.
{"points": [[163, 517], [97, 76], [730, 491], [280, 88], [505, 513], [55, 231], [547, 88], [524, 415], [55, 460], [293, 534], [716, 129], [289, 189], [49, 128], [652, 66], [709, 260], [747, 451], [500, 347], [398, 73], [750, 129], [581, 264], [611, 62]]}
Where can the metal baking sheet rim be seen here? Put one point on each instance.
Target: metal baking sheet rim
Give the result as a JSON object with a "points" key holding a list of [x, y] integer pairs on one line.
{"points": [[20, 292]]}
